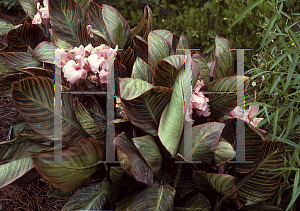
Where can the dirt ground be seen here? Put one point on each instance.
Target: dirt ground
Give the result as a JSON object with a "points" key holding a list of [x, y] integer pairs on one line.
{"points": [[24, 197]]}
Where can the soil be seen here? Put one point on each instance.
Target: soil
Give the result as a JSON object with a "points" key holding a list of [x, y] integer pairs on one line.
{"points": [[22, 197]]}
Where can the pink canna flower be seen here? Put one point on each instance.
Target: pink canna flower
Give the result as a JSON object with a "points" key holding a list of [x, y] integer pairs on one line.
{"points": [[74, 71], [88, 28], [37, 19], [41, 12]]}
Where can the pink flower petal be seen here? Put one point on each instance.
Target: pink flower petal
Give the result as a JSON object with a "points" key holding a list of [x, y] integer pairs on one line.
{"points": [[37, 19]]}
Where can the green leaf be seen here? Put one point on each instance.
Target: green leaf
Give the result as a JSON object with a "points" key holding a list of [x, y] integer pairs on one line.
{"points": [[132, 161], [166, 70], [14, 170], [84, 4], [245, 11], [5, 27], [257, 186], [29, 7], [54, 192], [143, 103], [294, 38], [178, 175], [142, 70], [19, 148], [120, 177], [87, 122], [270, 26], [116, 26], [171, 122], [277, 61], [159, 197], [224, 152], [223, 57], [64, 16], [183, 44], [205, 138], [37, 93], [77, 168], [112, 190], [221, 104], [222, 183], [97, 22], [158, 49], [45, 52], [7, 81], [19, 60], [203, 68], [197, 202], [254, 145], [146, 16], [150, 152]]}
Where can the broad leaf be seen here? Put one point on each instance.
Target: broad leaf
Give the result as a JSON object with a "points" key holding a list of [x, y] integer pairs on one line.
{"points": [[64, 16], [150, 152], [132, 161], [166, 70], [197, 202], [224, 152], [87, 122], [19, 148], [19, 60], [37, 93], [97, 22], [5, 27], [120, 177], [221, 103], [7, 81], [116, 26], [112, 190], [45, 52], [141, 70], [182, 44], [14, 170], [179, 175], [83, 36], [254, 145], [142, 46], [171, 122], [205, 138], [158, 49], [143, 103], [77, 168], [148, 15], [261, 183], [29, 7], [203, 68], [222, 183], [159, 197], [223, 58]]}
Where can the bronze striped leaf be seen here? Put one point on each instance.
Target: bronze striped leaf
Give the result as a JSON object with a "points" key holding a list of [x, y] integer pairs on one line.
{"points": [[156, 197], [19, 60], [203, 68], [83, 37], [178, 175], [5, 27], [34, 98], [148, 15], [221, 104], [222, 183], [132, 162], [167, 69], [143, 103], [197, 202], [158, 49], [224, 152], [254, 145], [77, 168], [64, 16], [141, 70], [7, 81], [117, 27], [14, 42], [260, 184], [45, 52], [87, 198], [182, 44], [97, 22], [142, 46], [29, 7], [223, 58]]}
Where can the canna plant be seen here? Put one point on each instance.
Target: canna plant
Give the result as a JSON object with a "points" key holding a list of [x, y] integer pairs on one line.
{"points": [[155, 116]]}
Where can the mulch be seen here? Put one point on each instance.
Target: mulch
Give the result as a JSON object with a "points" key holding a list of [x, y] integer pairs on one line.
{"points": [[21, 197]]}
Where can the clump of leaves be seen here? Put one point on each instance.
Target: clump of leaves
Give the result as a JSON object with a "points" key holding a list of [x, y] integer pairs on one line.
{"points": [[156, 149]]}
